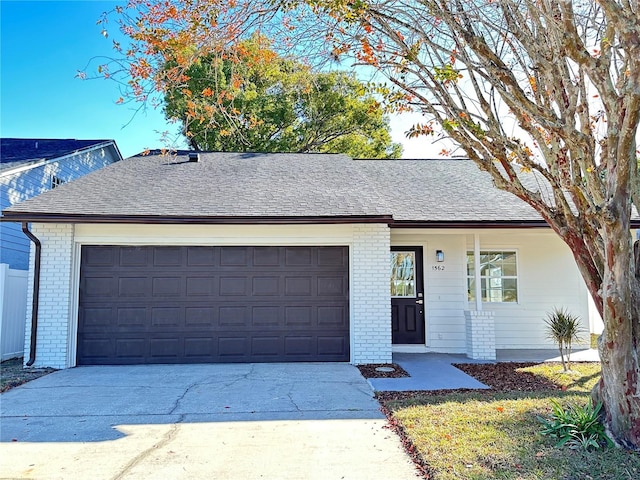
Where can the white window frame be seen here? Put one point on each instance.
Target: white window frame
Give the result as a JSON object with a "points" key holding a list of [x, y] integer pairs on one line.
{"points": [[477, 276]]}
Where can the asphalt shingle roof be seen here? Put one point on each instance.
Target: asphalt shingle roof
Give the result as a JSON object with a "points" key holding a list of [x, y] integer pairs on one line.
{"points": [[219, 185], [252, 186], [443, 190]]}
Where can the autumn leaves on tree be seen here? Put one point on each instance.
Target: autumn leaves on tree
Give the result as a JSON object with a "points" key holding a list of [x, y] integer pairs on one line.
{"points": [[544, 95]]}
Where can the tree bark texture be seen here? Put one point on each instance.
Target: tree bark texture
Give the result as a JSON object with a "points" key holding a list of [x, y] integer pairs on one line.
{"points": [[618, 389]]}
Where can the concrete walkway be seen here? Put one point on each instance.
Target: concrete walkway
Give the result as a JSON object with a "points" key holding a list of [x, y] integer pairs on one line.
{"points": [[241, 421], [435, 371], [429, 371]]}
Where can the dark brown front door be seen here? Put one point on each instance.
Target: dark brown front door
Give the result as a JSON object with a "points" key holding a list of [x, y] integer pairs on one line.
{"points": [[407, 296], [179, 304]]}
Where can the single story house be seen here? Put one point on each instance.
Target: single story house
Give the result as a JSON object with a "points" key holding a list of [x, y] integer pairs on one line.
{"points": [[248, 257]]}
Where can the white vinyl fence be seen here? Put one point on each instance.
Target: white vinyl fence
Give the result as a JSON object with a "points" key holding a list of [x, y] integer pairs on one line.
{"points": [[13, 306]]}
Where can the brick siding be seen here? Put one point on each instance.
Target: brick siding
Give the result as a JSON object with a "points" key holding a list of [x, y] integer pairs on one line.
{"points": [[371, 296], [55, 295]]}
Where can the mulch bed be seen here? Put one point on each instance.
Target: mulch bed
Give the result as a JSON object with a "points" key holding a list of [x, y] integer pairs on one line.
{"points": [[369, 370], [503, 377], [12, 374]]}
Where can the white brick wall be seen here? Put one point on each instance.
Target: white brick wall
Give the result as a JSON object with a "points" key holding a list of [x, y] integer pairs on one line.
{"points": [[371, 296], [481, 335], [55, 295], [370, 305]]}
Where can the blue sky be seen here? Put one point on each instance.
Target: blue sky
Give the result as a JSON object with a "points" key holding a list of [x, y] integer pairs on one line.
{"points": [[44, 44]]}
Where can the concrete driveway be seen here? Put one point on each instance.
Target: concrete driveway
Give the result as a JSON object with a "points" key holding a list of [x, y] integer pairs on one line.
{"points": [[237, 421]]}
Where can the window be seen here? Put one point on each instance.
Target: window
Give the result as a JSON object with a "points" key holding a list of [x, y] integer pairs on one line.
{"points": [[498, 276], [403, 281], [56, 181]]}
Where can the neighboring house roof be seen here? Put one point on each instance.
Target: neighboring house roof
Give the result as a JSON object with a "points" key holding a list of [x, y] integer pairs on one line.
{"points": [[281, 188], [31, 152]]}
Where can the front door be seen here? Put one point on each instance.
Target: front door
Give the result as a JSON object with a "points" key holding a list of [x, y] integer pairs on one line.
{"points": [[407, 296]]}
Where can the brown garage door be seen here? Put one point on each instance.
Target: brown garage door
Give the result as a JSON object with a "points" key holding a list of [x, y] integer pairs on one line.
{"points": [[212, 304]]}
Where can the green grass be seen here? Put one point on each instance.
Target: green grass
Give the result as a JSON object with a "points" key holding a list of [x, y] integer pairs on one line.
{"points": [[581, 378], [489, 435]]}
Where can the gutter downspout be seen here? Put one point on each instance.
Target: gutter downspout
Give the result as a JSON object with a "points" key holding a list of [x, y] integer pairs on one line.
{"points": [[36, 293]]}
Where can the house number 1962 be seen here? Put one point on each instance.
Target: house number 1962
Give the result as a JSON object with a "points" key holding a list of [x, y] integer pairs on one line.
{"points": [[438, 268]]}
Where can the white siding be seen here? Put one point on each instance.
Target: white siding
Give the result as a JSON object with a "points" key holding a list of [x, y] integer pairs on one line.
{"points": [[547, 278], [445, 288]]}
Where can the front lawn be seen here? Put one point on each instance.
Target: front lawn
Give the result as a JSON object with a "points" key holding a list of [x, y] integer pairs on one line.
{"points": [[495, 434]]}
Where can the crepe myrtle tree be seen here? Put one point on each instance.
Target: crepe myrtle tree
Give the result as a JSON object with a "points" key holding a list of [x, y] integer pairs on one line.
{"points": [[544, 95]]}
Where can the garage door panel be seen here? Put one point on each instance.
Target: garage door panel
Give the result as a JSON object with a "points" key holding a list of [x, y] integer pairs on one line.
{"points": [[267, 345], [167, 286], [234, 286], [333, 316], [168, 256], [300, 315], [232, 346], [133, 257], [131, 348], [264, 316], [104, 257], [233, 256], [265, 285], [98, 286], [266, 257], [167, 316], [202, 348], [332, 257], [233, 316], [200, 286], [298, 256], [201, 257], [131, 316], [331, 286], [331, 345], [200, 316], [213, 304], [132, 286], [298, 286]]}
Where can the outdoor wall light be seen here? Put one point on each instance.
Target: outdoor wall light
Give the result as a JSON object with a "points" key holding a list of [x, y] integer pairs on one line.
{"points": [[439, 255]]}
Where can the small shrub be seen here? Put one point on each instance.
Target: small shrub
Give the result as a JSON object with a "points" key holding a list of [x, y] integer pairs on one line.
{"points": [[576, 427], [564, 329]]}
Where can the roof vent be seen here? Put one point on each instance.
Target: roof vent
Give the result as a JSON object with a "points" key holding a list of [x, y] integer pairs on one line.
{"points": [[194, 157]]}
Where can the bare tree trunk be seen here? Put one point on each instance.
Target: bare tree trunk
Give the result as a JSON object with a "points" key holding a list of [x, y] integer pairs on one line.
{"points": [[618, 389]]}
